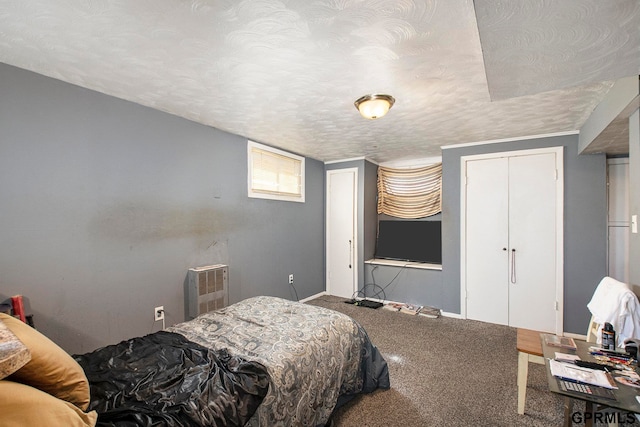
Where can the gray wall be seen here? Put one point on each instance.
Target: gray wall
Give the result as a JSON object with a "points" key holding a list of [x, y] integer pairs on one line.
{"points": [[105, 204], [370, 209], [634, 195], [585, 234], [410, 285], [407, 285]]}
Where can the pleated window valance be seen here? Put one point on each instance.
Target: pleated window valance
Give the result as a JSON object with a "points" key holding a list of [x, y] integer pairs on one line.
{"points": [[410, 193]]}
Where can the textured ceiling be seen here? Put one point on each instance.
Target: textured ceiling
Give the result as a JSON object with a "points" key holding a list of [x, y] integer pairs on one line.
{"points": [[286, 73], [538, 46], [614, 140]]}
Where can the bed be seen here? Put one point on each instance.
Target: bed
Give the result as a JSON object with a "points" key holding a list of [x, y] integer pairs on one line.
{"points": [[316, 358], [264, 361]]}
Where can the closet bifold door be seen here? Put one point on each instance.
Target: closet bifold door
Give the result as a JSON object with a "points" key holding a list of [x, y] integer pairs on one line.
{"points": [[532, 241], [512, 239], [487, 240]]}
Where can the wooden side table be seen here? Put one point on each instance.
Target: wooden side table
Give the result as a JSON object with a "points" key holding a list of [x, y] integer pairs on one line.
{"points": [[529, 350]]}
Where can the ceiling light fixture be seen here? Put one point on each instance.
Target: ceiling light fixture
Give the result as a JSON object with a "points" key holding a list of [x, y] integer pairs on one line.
{"points": [[374, 106]]}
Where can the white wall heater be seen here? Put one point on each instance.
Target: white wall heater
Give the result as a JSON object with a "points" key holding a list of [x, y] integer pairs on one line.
{"points": [[208, 289]]}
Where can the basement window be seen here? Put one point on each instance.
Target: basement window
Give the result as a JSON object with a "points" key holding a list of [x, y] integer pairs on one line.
{"points": [[274, 174]]}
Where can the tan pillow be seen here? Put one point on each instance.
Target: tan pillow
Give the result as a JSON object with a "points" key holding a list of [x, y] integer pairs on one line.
{"points": [[50, 369], [25, 406]]}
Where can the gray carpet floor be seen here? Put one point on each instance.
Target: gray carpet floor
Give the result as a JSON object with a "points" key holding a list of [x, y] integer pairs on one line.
{"points": [[446, 372]]}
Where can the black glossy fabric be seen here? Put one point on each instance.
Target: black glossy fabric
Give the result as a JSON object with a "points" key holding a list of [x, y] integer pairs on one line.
{"points": [[163, 379]]}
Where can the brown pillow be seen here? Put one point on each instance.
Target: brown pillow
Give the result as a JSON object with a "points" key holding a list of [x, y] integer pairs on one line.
{"points": [[50, 369], [25, 406]]}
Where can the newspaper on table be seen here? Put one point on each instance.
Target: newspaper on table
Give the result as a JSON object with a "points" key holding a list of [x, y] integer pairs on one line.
{"points": [[571, 372]]}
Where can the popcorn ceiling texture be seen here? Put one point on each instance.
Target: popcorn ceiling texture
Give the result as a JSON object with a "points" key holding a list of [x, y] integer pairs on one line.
{"points": [[286, 73], [536, 46]]}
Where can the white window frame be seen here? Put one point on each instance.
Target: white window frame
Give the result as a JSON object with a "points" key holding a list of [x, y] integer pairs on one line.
{"points": [[273, 195]]}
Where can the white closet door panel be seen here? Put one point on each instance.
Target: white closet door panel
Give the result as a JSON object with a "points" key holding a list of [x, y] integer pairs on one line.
{"points": [[618, 194], [341, 235], [486, 240], [619, 253], [532, 242]]}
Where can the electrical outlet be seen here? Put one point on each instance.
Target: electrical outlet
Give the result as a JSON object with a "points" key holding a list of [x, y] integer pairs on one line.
{"points": [[291, 279], [158, 313]]}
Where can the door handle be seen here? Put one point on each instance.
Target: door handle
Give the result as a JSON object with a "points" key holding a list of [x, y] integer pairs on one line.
{"points": [[350, 253], [513, 266]]}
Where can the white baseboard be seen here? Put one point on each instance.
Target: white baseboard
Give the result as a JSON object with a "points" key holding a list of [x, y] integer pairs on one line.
{"points": [[442, 313], [313, 296], [452, 315], [386, 301]]}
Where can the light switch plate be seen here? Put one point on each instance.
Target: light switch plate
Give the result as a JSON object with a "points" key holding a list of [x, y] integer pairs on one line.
{"points": [[634, 223]]}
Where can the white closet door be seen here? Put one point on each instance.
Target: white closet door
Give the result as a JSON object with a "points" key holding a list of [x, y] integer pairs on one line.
{"points": [[341, 236], [619, 253], [512, 234], [532, 242], [618, 222], [487, 240]]}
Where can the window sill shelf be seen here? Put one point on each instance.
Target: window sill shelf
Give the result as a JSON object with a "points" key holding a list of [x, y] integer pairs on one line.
{"points": [[407, 264]]}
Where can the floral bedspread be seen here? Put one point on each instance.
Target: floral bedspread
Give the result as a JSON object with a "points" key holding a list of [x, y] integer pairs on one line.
{"points": [[312, 354]]}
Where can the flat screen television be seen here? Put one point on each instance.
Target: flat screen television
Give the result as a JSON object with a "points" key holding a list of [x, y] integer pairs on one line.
{"points": [[417, 241]]}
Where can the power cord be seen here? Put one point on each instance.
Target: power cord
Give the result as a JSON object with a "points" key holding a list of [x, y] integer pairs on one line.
{"points": [[392, 280], [294, 290], [382, 288], [154, 324]]}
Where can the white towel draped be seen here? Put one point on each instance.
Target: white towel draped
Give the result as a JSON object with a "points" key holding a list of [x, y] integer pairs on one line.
{"points": [[614, 302]]}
